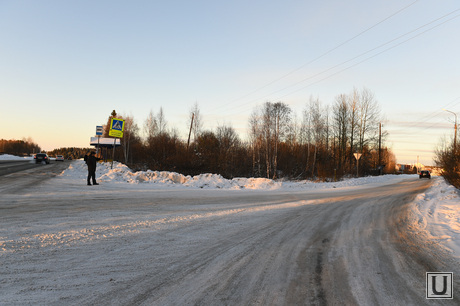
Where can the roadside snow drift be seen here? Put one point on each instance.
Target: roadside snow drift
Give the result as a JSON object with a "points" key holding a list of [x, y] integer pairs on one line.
{"points": [[13, 157], [437, 213], [122, 174]]}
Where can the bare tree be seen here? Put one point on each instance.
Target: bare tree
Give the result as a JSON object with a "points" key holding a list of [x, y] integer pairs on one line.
{"points": [[195, 121], [271, 124], [227, 136], [282, 118], [255, 140], [340, 125], [353, 106], [150, 126], [317, 127], [161, 121], [305, 138], [130, 135], [369, 117], [228, 142]]}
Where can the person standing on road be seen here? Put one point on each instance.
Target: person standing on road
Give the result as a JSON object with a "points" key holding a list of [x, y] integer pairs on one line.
{"points": [[91, 162]]}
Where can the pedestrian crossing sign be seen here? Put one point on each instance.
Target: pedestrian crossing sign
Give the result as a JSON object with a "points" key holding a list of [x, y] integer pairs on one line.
{"points": [[116, 127]]}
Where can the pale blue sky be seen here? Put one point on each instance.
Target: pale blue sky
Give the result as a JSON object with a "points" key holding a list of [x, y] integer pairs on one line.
{"points": [[64, 66]]}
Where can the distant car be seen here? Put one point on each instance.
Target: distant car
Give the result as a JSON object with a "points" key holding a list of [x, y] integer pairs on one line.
{"points": [[41, 157], [425, 173], [59, 158]]}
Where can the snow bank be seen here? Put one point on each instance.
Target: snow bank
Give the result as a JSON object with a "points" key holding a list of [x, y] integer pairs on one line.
{"points": [[437, 213], [122, 174], [13, 157]]}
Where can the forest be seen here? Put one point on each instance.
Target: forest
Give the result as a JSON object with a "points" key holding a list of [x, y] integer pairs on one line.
{"points": [[322, 143], [22, 147]]}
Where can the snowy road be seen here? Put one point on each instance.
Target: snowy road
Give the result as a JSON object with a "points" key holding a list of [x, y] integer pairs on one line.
{"points": [[8, 166], [113, 245]]}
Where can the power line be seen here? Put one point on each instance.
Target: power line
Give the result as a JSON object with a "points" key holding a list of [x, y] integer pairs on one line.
{"points": [[320, 56], [373, 49], [425, 119], [362, 61]]}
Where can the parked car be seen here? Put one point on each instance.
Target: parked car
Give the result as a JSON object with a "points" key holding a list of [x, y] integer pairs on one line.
{"points": [[41, 157], [425, 173], [59, 158]]}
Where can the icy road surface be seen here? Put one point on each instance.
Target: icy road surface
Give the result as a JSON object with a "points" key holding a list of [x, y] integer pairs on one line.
{"points": [[65, 243]]}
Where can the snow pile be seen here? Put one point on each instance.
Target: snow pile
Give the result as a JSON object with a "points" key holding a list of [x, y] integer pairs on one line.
{"points": [[13, 157], [120, 173], [437, 213]]}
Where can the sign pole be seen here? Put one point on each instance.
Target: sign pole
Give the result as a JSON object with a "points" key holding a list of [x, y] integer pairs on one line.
{"points": [[357, 167], [116, 130], [98, 134], [113, 153], [357, 156]]}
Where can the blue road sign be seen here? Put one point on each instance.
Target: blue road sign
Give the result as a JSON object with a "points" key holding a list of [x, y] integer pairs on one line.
{"points": [[117, 124], [116, 127], [99, 130]]}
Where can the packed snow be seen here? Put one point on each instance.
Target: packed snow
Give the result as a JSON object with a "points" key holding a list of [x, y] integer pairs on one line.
{"points": [[13, 157], [437, 211], [84, 222]]}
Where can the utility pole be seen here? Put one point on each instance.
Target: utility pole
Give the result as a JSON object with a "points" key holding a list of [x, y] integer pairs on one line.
{"points": [[380, 147], [190, 132], [455, 129], [418, 165]]}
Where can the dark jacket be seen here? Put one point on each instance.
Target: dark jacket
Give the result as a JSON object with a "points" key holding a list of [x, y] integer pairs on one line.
{"points": [[91, 161]]}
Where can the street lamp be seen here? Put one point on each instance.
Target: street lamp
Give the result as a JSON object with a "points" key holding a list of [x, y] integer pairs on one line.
{"points": [[455, 127]]}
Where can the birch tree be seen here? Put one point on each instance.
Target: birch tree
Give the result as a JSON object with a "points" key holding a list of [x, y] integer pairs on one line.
{"points": [[369, 117], [340, 125], [161, 122], [150, 127]]}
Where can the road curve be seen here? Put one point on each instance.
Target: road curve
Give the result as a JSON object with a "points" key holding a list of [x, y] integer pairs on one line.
{"points": [[186, 247]]}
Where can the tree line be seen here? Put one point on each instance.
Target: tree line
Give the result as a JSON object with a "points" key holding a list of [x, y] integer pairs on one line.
{"points": [[321, 144], [71, 152], [19, 147], [27, 147]]}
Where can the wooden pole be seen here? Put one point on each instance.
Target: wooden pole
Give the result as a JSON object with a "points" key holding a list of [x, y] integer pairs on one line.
{"points": [[190, 132]]}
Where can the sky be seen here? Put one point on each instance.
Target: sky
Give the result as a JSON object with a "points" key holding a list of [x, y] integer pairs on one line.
{"points": [[65, 65]]}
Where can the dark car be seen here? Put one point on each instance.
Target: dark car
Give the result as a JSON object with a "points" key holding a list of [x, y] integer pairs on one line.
{"points": [[425, 173], [41, 157]]}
